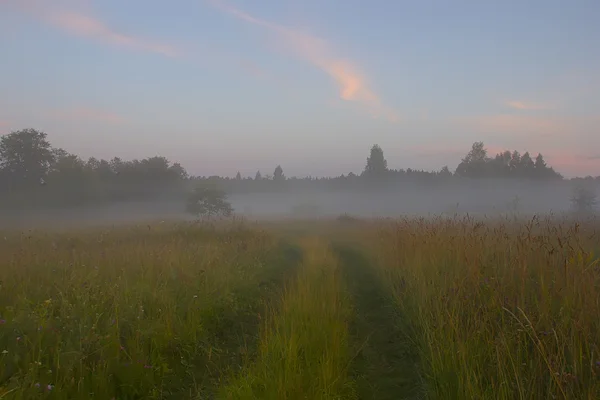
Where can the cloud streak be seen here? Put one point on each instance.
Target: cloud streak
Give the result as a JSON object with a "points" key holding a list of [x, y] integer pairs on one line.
{"points": [[352, 85], [83, 25], [86, 26]]}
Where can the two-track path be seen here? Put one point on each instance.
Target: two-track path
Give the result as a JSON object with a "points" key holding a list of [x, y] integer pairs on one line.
{"points": [[385, 365]]}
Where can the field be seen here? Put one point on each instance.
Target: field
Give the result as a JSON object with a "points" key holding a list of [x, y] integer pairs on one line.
{"points": [[342, 309]]}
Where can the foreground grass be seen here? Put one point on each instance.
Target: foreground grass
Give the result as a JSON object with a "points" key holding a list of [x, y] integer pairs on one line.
{"points": [[386, 364], [304, 352], [435, 308], [500, 310], [158, 312]]}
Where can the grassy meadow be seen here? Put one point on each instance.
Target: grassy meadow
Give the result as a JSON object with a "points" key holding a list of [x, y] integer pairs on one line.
{"points": [[439, 308]]}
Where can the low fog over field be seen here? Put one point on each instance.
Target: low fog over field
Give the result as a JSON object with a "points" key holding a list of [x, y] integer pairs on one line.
{"points": [[62, 189]]}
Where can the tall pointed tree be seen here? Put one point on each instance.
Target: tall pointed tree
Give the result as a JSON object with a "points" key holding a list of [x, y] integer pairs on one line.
{"points": [[376, 163]]}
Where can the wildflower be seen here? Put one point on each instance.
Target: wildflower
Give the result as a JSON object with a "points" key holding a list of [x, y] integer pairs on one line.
{"points": [[4, 351], [49, 387], [147, 366], [37, 385], [18, 338], [2, 321]]}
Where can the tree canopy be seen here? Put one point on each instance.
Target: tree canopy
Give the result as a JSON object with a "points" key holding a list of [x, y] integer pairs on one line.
{"points": [[376, 163], [33, 172]]}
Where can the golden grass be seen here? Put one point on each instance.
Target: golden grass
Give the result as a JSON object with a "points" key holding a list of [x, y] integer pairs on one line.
{"points": [[126, 312], [304, 351], [496, 309], [502, 310]]}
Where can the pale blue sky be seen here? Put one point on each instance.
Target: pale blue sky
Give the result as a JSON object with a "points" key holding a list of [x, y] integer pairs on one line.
{"points": [[232, 85]]}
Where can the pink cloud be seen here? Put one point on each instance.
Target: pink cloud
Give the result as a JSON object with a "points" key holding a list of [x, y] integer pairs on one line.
{"points": [[352, 85], [81, 24], [526, 106], [87, 114]]}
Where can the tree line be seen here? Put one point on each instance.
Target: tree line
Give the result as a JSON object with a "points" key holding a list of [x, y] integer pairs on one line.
{"points": [[33, 172]]}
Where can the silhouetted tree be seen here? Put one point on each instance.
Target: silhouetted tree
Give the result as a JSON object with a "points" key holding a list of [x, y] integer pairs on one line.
{"points": [[25, 157], [208, 201], [445, 172], [526, 167], [376, 163], [474, 163], [540, 164], [278, 174]]}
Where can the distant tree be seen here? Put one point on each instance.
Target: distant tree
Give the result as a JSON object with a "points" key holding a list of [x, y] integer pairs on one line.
{"points": [[178, 171], [278, 174], [526, 166], [25, 157], [376, 163], [445, 172], [515, 162], [543, 171], [540, 163], [258, 176], [475, 162], [238, 176], [500, 165], [207, 201], [584, 200]]}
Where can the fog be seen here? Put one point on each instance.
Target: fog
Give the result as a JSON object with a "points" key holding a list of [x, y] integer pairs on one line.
{"points": [[492, 197]]}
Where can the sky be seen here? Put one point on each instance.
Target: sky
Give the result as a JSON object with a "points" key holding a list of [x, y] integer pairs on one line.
{"points": [[243, 85]]}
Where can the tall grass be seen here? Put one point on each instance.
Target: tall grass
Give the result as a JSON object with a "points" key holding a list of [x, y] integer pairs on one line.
{"points": [[146, 312], [304, 351], [501, 310]]}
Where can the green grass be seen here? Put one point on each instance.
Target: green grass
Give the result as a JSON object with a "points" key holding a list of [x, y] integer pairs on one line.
{"points": [[331, 309], [304, 352], [132, 313], [386, 364], [500, 310]]}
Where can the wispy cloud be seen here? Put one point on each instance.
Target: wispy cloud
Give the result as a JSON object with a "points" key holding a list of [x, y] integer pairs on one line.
{"points": [[87, 114], [82, 24], [527, 106], [352, 85]]}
